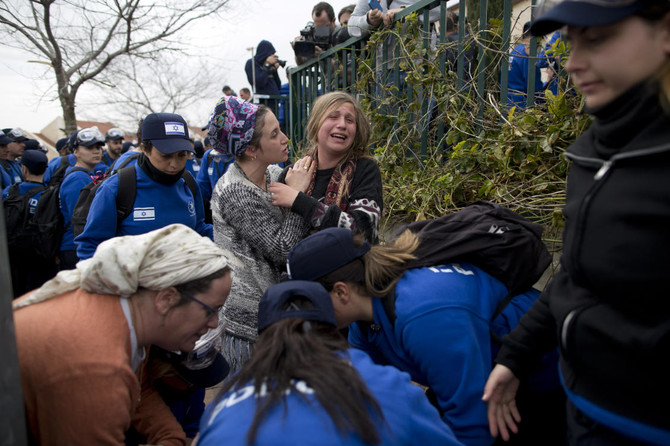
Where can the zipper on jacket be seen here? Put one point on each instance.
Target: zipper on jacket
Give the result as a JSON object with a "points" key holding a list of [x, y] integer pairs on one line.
{"points": [[564, 330]]}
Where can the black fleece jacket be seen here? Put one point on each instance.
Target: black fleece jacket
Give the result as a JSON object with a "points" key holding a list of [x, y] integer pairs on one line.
{"points": [[609, 305]]}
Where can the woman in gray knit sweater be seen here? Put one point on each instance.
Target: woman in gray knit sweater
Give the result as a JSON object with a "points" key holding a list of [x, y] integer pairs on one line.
{"points": [[245, 221]]}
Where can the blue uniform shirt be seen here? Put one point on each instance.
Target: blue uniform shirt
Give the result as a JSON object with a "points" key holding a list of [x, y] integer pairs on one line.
{"points": [[518, 75], [55, 163], [410, 419], [210, 173], [5, 179], [123, 157], [69, 194], [156, 206], [441, 338]]}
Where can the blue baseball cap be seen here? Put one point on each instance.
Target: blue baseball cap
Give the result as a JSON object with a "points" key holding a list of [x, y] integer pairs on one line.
{"points": [[35, 160], [554, 14], [62, 143], [113, 134], [167, 132], [323, 253], [4, 139], [276, 305]]}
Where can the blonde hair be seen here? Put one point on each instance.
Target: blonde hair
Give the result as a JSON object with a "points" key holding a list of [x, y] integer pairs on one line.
{"points": [[319, 114], [385, 264]]}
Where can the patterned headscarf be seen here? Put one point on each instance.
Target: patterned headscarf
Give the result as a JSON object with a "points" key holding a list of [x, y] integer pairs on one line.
{"points": [[231, 125], [156, 260]]}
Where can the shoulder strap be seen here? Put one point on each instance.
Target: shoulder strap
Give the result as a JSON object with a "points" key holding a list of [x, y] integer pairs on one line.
{"points": [[13, 191], [77, 169], [128, 160], [125, 196], [190, 182]]}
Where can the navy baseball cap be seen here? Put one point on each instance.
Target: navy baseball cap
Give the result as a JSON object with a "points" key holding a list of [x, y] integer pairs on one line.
{"points": [[114, 134], [323, 253], [4, 139], [275, 304], [554, 14], [62, 143], [168, 132], [127, 145], [35, 160]]}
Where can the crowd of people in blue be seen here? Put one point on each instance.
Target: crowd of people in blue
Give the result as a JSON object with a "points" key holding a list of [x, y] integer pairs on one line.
{"points": [[226, 263]]}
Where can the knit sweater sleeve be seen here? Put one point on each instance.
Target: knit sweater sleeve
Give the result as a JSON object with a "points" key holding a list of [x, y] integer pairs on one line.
{"points": [[363, 214], [250, 215]]}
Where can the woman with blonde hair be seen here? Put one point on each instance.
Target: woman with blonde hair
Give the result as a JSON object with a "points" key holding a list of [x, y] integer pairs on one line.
{"points": [[433, 322], [608, 307], [344, 188]]}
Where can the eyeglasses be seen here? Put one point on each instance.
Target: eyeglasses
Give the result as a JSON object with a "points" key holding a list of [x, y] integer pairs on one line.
{"points": [[90, 134], [211, 312]]}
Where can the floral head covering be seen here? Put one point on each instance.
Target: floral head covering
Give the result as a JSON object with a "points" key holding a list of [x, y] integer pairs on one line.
{"points": [[232, 125]]}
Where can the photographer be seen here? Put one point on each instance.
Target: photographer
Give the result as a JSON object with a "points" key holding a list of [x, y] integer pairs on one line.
{"points": [[315, 38], [262, 71]]}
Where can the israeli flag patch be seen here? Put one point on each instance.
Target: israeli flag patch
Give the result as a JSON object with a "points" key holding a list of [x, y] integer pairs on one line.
{"points": [[144, 214], [174, 128]]}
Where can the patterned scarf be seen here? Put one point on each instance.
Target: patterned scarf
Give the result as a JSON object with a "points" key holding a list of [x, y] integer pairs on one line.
{"points": [[337, 192]]}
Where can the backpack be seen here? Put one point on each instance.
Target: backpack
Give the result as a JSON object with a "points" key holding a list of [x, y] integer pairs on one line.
{"points": [[47, 222], [17, 218], [125, 197], [492, 237]]}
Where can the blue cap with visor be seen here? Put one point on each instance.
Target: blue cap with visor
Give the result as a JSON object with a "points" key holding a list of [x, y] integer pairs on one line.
{"points": [[554, 14]]}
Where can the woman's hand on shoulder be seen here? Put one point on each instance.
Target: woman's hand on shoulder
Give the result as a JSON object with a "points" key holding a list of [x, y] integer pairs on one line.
{"points": [[300, 174], [282, 194]]}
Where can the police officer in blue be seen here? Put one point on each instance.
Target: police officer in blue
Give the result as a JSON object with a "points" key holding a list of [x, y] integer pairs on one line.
{"points": [[519, 60], [114, 140], [87, 145], [29, 271], [162, 195], [14, 150], [67, 158]]}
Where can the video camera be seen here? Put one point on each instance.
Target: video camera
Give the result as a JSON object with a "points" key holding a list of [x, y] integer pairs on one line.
{"points": [[269, 67], [312, 36]]}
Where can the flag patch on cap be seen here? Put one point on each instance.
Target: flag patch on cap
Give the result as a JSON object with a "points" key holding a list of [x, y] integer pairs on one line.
{"points": [[174, 128]]}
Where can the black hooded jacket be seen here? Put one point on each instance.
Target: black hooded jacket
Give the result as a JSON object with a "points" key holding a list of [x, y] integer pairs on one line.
{"points": [[609, 305]]}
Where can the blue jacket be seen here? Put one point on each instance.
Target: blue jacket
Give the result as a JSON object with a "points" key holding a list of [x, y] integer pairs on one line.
{"points": [[441, 338], [267, 81], [210, 173], [5, 179], [156, 206], [410, 419], [193, 168], [518, 75], [13, 170], [68, 195]]}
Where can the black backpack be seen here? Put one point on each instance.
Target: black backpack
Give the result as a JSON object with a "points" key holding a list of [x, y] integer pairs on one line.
{"points": [[17, 218], [125, 197], [47, 222], [492, 237]]}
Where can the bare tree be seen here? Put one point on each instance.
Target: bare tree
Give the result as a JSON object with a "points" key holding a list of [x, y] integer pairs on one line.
{"points": [[81, 38], [136, 87]]}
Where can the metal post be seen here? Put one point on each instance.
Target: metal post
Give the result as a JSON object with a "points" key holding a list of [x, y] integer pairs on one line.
{"points": [[253, 70]]}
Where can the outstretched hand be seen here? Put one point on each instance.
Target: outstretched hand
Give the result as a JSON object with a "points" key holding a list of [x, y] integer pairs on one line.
{"points": [[500, 395]]}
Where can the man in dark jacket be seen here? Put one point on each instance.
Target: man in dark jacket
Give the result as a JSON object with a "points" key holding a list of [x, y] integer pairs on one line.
{"points": [[262, 71]]}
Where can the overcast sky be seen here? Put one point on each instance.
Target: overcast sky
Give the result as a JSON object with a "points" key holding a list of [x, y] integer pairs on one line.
{"points": [[27, 97]]}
